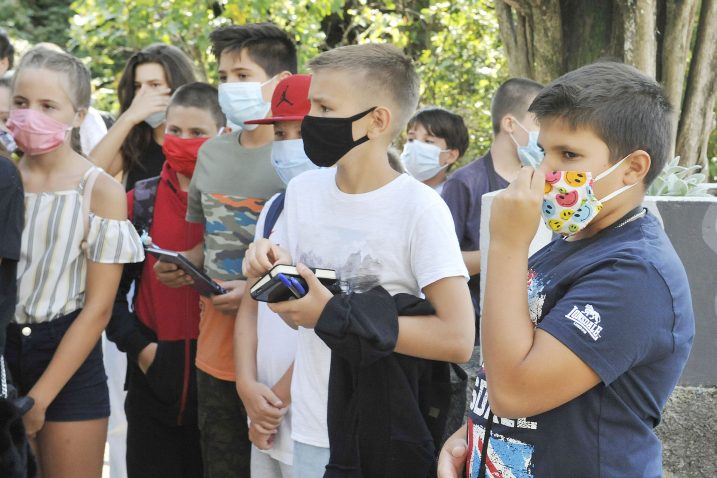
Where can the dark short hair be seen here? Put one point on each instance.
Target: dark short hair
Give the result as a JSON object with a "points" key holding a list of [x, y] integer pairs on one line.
{"points": [[625, 108], [265, 43], [512, 97], [441, 123], [201, 96], [6, 49]]}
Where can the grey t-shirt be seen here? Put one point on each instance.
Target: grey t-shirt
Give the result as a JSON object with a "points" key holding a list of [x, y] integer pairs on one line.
{"points": [[229, 188]]}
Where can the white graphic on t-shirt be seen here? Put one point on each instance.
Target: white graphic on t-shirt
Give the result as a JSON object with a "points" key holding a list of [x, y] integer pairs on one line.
{"points": [[536, 298], [586, 321], [358, 274]]}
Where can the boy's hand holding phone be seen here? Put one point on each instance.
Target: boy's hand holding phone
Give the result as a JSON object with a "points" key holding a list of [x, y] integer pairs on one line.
{"points": [[230, 301], [171, 275], [261, 256], [304, 312], [515, 214]]}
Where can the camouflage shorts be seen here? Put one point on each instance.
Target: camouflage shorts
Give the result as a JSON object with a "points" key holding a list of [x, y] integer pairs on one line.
{"points": [[224, 436]]}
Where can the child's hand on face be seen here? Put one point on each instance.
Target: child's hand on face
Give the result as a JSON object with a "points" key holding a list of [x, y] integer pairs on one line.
{"points": [[261, 256], [146, 102], [230, 301], [262, 441], [304, 312], [515, 213]]}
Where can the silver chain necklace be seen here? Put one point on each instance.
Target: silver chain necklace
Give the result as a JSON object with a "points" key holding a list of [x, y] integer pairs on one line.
{"points": [[634, 217]]}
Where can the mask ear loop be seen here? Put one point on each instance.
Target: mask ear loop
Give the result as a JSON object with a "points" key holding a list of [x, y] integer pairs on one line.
{"points": [[607, 172]]}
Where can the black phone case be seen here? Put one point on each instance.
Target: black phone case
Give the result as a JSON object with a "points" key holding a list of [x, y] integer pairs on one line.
{"points": [[276, 291]]}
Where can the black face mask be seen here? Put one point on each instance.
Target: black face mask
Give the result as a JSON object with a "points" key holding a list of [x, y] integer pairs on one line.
{"points": [[326, 140]]}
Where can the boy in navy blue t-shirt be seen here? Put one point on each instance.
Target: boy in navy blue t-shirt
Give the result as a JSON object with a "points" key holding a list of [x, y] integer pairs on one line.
{"points": [[590, 351]]}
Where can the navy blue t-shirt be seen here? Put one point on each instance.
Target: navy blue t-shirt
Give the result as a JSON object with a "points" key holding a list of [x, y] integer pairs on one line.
{"points": [[621, 302]]}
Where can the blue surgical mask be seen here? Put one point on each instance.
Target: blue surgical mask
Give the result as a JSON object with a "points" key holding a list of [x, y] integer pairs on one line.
{"points": [[530, 154], [289, 159], [422, 160], [156, 119], [243, 101]]}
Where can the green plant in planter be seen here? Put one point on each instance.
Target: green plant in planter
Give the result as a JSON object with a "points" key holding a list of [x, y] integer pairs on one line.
{"points": [[676, 180]]}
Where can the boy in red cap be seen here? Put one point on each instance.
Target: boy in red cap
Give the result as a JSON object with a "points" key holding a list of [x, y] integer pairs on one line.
{"points": [[264, 346]]}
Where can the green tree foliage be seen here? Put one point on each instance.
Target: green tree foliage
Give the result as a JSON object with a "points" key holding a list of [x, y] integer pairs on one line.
{"points": [[37, 20], [455, 44]]}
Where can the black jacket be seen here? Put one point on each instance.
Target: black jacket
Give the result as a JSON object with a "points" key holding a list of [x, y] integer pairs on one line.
{"points": [[387, 412], [168, 391]]}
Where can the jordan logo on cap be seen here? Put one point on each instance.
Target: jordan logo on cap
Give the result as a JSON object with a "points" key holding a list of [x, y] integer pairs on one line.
{"points": [[283, 98]]}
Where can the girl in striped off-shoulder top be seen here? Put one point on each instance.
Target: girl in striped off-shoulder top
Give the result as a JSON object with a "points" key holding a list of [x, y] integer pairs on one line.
{"points": [[75, 240]]}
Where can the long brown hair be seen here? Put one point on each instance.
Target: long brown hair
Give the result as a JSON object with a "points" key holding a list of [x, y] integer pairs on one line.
{"points": [[178, 69]]}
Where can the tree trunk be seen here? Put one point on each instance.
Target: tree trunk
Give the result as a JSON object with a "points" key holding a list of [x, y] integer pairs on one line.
{"points": [[513, 33], [679, 22], [545, 38], [639, 20], [701, 89]]}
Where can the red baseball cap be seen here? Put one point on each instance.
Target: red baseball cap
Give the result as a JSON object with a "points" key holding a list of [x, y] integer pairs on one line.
{"points": [[290, 101]]}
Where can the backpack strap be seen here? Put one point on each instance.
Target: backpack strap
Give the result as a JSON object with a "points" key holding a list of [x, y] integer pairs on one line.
{"points": [[273, 214], [145, 195], [87, 185]]}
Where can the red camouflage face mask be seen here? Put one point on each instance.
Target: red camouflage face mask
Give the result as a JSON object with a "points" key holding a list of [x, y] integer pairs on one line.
{"points": [[181, 153]]}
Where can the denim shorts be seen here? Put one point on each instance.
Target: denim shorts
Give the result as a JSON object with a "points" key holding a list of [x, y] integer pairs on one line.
{"points": [[30, 348]]}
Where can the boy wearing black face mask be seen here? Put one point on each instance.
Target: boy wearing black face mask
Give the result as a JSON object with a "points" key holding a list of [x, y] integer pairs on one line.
{"points": [[233, 180], [372, 225]]}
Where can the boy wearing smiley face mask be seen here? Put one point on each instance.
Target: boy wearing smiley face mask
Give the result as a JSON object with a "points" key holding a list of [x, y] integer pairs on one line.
{"points": [[580, 352]]}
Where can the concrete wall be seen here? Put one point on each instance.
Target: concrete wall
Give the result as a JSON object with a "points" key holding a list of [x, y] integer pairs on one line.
{"points": [[689, 427]]}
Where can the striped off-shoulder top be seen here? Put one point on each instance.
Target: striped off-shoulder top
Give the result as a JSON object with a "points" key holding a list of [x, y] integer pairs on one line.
{"points": [[53, 261]]}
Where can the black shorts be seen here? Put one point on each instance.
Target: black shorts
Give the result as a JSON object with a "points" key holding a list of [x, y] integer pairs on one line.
{"points": [[29, 351]]}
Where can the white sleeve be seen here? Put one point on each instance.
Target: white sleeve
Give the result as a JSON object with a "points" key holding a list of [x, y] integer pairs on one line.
{"points": [[92, 130], [435, 253]]}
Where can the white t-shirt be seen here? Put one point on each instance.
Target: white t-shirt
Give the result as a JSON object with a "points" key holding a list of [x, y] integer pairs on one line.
{"points": [[400, 236], [92, 130], [276, 346]]}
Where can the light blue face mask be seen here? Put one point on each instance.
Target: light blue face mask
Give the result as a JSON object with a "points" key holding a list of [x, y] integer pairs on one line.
{"points": [[156, 119], [289, 159], [530, 154], [243, 101]]}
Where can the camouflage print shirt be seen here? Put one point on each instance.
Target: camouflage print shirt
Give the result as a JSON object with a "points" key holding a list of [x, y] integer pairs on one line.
{"points": [[228, 190]]}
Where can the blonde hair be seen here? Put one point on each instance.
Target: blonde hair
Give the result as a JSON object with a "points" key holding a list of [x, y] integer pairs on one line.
{"points": [[77, 86], [382, 71]]}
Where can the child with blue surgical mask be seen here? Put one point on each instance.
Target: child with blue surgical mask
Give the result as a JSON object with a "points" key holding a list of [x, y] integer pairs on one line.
{"points": [[264, 346], [437, 138]]}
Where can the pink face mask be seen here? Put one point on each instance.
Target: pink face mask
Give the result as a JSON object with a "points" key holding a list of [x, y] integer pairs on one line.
{"points": [[35, 132]]}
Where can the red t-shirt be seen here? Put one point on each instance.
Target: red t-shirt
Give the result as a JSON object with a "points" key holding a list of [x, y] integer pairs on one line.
{"points": [[173, 314]]}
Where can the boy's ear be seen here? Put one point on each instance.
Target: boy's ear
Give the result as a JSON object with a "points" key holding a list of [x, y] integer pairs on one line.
{"points": [[451, 157], [639, 165], [381, 119], [507, 124]]}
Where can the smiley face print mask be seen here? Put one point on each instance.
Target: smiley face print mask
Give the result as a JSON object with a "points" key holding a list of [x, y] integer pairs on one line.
{"points": [[570, 203]]}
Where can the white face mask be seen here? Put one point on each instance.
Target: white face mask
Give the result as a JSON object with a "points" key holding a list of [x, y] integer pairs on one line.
{"points": [[289, 159], [422, 160], [156, 119], [243, 101]]}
